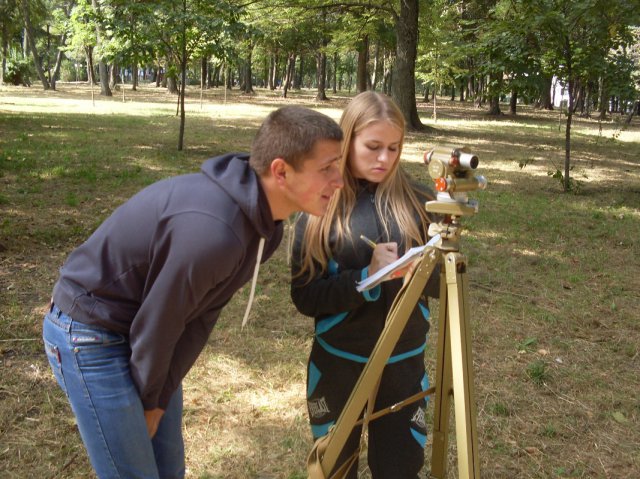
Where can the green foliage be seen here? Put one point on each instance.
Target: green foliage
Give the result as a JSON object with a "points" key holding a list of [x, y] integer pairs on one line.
{"points": [[575, 186], [500, 409], [18, 71], [527, 343], [537, 372], [549, 430]]}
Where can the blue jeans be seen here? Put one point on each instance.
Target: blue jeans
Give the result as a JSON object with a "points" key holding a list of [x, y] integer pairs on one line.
{"points": [[91, 365]]}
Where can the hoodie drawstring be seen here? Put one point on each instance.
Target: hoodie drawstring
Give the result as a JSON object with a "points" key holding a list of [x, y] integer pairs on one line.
{"points": [[253, 282]]}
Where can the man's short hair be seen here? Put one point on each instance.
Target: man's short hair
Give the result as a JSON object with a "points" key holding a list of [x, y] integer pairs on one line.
{"points": [[290, 133]]}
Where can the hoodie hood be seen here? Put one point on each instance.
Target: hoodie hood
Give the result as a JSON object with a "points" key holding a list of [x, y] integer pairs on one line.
{"points": [[233, 174]]}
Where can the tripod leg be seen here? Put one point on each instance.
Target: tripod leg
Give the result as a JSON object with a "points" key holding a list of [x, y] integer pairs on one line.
{"points": [[442, 395], [396, 320], [462, 366]]}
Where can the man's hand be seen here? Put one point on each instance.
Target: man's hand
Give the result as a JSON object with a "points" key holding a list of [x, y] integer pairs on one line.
{"points": [[153, 417], [383, 254]]}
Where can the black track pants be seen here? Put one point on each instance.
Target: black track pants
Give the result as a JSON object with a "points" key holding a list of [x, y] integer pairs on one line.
{"points": [[396, 441]]}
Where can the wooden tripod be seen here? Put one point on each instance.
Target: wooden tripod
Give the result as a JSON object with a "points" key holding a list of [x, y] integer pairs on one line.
{"points": [[454, 366]]}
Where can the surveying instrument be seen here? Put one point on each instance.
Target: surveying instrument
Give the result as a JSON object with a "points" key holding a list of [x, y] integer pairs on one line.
{"points": [[452, 170]]}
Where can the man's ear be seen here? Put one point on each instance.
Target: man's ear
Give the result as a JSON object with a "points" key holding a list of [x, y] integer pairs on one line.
{"points": [[279, 169]]}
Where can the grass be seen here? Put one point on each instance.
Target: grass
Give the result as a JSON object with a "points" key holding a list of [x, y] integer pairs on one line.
{"points": [[554, 285]]}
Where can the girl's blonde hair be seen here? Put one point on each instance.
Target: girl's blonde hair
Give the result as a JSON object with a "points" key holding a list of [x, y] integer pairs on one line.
{"points": [[394, 197]]}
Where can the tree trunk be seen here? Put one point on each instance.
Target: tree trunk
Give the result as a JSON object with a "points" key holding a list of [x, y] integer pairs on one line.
{"points": [[172, 84], [403, 88], [103, 71], [32, 44], [386, 78], [298, 84], [160, 76], [494, 96], [204, 62], [602, 99], [321, 66], [270, 75], [102, 66], [361, 76], [247, 75], [228, 78], [494, 105], [113, 76], [56, 67], [545, 93], [90, 67], [214, 77], [335, 72], [580, 99], [4, 52], [134, 76], [567, 140], [375, 77], [274, 70], [471, 87], [588, 103], [183, 73], [288, 78], [513, 103]]}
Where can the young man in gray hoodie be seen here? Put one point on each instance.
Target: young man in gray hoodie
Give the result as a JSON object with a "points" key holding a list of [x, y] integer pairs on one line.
{"points": [[134, 305]]}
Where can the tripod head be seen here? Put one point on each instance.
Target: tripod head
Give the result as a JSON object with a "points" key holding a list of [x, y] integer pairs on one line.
{"points": [[452, 170]]}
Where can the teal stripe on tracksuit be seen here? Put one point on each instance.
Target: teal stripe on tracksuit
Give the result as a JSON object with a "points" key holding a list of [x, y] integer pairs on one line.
{"points": [[425, 311], [314, 378], [421, 438], [370, 295], [363, 359], [328, 323], [321, 429]]}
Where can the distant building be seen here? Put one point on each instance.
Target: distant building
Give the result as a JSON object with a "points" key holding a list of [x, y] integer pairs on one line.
{"points": [[560, 92]]}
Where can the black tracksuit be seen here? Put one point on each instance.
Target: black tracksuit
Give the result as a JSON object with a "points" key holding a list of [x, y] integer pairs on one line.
{"points": [[347, 326]]}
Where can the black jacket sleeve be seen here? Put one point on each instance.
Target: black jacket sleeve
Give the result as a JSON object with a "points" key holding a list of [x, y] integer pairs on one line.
{"points": [[323, 294]]}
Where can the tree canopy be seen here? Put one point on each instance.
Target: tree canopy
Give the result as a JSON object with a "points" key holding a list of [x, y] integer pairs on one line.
{"points": [[485, 51]]}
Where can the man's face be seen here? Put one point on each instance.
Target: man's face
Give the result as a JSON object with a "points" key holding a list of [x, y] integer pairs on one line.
{"points": [[311, 187]]}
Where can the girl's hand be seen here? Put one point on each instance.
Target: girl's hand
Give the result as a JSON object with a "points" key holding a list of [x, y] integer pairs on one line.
{"points": [[383, 254], [409, 270]]}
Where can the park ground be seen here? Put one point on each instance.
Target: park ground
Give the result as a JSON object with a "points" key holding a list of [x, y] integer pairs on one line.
{"points": [[554, 284]]}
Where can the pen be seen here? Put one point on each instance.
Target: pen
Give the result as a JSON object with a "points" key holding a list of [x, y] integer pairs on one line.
{"points": [[368, 241]]}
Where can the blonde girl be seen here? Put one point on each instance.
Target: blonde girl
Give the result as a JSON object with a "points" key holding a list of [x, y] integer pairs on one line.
{"points": [[378, 201]]}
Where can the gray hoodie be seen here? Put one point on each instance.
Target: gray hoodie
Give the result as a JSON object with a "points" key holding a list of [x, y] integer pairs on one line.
{"points": [[162, 266]]}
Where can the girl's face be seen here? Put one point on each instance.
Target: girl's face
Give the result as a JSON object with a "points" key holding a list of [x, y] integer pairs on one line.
{"points": [[374, 151]]}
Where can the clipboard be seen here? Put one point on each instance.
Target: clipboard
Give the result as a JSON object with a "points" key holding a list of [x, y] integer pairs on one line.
{"points": [[385, 274]]}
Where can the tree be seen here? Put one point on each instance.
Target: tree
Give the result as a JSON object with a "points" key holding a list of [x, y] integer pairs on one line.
{"points": [[190, 30], [578, 35], [9, 23], [441, 49], [101, 47], [403, 88], [130, 44], [82, 38]]}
